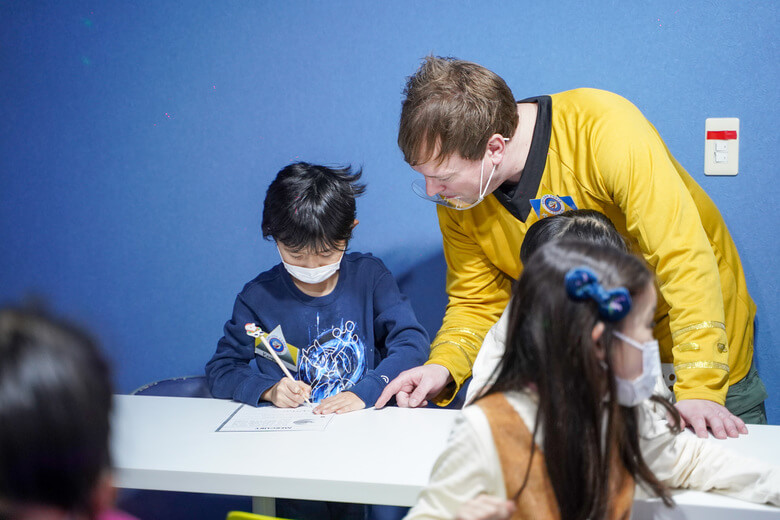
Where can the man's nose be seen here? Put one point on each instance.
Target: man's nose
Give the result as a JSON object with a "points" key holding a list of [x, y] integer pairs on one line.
{"points": [[433, 187]]}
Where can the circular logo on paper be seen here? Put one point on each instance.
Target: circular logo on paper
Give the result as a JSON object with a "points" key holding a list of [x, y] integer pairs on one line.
{"points": [[277, 345], [553, 204]]}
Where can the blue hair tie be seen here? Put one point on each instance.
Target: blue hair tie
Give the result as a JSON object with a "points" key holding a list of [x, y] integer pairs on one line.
{"points": [[583, 284]]}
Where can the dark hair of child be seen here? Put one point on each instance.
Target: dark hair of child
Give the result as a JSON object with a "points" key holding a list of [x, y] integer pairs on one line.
{"points": [[55, 401], [550, 348], [579, 224], [585, 224], [311, 207]]}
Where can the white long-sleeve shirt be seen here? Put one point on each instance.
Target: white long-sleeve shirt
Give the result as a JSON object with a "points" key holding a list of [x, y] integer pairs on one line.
{"points": [[469, 466]]}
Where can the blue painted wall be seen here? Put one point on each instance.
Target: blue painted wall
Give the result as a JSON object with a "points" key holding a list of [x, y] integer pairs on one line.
{"points": [[137, 140]]}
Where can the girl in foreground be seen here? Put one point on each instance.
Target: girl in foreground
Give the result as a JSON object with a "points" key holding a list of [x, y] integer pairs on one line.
{"points": [[559, 434]]}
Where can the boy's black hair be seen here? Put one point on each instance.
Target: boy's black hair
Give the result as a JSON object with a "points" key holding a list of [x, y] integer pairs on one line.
{"points": [[311, 207], [55, 401], [584, 224]]}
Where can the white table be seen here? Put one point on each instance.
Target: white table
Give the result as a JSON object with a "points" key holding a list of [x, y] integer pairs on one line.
{"points": [[763, 443], [371, 456]]}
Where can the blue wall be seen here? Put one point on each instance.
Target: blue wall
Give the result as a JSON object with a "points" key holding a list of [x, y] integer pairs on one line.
{"points": [[137, 140]]}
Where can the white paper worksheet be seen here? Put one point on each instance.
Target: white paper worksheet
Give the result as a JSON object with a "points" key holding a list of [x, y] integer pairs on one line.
{"points": [[271, 419]]}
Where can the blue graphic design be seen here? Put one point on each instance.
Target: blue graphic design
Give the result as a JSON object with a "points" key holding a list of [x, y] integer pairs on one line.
{"points": [[334, 362]]}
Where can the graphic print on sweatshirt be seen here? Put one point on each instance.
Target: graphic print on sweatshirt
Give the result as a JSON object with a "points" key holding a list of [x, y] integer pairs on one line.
{"points": [[333, 362]]}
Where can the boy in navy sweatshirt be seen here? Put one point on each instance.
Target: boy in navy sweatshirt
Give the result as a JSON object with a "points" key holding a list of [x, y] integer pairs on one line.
{"points": [[348, 329]]}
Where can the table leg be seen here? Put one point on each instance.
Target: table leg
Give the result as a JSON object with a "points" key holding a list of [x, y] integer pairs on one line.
{"points": [[264, 506]]}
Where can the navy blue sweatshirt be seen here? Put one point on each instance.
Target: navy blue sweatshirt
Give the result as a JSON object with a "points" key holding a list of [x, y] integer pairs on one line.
{"points": [[357, 338]]}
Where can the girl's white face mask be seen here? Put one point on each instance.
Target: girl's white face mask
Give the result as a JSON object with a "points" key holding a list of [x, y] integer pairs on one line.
{"points": [[631, 393], [311, 274]]}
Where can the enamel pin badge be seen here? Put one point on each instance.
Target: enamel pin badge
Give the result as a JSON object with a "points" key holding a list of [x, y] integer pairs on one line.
{"points": [[550, 204]]}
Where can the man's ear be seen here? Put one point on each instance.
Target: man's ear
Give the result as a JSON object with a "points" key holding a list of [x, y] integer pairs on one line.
{"points": [[595, 335], [354, 224], [496, 147]]}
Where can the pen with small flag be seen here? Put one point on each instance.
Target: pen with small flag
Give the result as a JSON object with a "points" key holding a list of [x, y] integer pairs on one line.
{"points": [[256, 332]]}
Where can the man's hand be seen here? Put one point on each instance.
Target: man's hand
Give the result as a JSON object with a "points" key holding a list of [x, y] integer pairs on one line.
{"points": [[287, 393], [342, 402], [413, 387], [700, 413], [486, 507]]}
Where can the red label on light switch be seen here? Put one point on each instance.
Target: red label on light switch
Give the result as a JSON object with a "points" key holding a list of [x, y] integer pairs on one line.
{"points": [[722, 135]]}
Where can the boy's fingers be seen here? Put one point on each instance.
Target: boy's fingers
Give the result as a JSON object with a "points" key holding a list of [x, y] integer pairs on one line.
{"points": [[350, 407], [293, 400], [292, 395]]}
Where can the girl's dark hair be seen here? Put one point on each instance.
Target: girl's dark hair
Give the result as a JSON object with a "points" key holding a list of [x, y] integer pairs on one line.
{"points": [[550, 348], [579, 224], [311, 207], [55, 401], [584, 224]]}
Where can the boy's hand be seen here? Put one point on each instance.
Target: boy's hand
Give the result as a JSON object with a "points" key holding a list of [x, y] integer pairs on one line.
{"points": [[340, 403], [287, 393]]}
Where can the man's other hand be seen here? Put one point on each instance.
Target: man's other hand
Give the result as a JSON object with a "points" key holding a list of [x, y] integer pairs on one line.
{"points": [[412, 388]]}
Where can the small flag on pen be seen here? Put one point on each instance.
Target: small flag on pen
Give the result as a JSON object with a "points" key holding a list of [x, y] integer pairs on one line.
{"points": [[286, 352]]}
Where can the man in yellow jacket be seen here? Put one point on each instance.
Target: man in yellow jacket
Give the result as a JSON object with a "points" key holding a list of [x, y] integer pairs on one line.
{"points": [[496, 166]]}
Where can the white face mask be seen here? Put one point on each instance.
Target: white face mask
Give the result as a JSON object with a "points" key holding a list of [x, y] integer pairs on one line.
{"points": [[631, 393], [312, 274]]}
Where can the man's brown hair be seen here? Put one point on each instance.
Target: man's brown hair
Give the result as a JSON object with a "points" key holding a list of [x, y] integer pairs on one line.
{"points": [[453, 106]]}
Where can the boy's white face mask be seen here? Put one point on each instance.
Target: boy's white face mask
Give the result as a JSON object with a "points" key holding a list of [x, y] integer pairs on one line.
{"points": [[311, 274], [631, 393]]}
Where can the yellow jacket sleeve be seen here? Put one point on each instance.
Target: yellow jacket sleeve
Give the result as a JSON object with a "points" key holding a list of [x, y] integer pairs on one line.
{"points": [[478, 293], [641, 177]]}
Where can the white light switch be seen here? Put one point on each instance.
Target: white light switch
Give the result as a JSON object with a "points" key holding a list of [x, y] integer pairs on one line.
{"points": [[721, 146]]}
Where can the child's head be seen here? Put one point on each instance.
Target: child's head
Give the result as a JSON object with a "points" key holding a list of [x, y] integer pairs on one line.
{"points": [[55, 400], [583, 224], [551, 335], [311, 208], [564, 345]]}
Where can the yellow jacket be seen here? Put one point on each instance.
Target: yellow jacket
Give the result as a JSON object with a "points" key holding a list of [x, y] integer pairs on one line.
{"points": [[598, 148]]}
